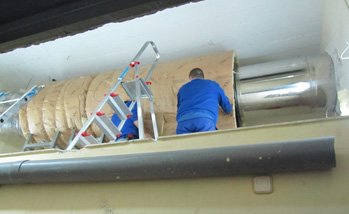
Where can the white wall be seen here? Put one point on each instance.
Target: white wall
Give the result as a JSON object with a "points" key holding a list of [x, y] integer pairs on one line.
{"points": [[258, 30]]}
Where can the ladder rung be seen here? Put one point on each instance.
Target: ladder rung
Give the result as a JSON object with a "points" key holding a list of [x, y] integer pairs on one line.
{"points": [[42, 144], [87, 139], [118, 106], [107, 126]]}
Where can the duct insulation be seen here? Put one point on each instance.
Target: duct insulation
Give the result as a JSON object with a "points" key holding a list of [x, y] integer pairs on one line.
{"points": [[286, 90], [64, 105], [288, 156]]}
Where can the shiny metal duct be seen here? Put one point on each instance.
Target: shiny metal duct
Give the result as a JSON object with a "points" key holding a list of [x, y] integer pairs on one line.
{"points": [[12, 126], [287, 90]]}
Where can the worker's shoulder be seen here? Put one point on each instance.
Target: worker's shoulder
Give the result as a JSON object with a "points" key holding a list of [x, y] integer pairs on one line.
{"points": [[212, 82]]}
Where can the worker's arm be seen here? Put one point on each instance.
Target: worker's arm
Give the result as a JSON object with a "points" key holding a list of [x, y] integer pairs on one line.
{"points": [[224, 102], [146, 134]]}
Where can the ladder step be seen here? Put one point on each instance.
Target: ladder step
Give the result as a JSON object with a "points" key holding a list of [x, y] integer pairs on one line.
{"points": [[118, 106], [130, 88], [107, 126], [87, 139]]}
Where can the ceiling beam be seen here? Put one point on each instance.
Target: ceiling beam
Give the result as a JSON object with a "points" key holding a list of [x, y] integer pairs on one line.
{"points": [[44, 23]]}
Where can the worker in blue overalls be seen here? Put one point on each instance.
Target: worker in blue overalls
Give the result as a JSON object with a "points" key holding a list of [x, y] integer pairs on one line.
{"points": [[130, 129], [198, 104]]}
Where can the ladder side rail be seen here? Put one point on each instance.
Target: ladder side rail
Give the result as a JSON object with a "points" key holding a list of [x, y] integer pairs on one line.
{"points": [[15, 107], [55, 140], [27, 141], [140, 52], [151, 70], [155, 126], [72, 134], [139, 105], [157, 56], [101, 138], [9, 101]]}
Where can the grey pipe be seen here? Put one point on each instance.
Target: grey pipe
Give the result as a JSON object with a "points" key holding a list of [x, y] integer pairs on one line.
{"points": [[272, 68], [311, 154]]}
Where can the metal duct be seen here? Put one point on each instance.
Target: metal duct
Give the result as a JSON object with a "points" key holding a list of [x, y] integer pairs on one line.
{"points": [[286, 90], [310, 154], [12, 126]]}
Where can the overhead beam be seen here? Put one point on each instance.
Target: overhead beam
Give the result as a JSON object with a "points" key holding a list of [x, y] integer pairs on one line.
{"points": [[70, 18]]}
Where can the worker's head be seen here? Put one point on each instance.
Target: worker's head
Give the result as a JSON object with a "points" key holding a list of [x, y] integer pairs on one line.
{"points": [[196, 73]]}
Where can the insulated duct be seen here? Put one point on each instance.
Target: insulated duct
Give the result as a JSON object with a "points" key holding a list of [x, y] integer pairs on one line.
{"points": [[287, 156], [286, 90], [65, 105]]}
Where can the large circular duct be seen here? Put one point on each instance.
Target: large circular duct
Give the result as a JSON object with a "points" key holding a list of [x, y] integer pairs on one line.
{"points": [[64, 105], [286, 90]]}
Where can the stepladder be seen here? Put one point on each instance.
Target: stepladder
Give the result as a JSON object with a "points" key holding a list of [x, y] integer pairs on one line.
{"points": [[136, 90]]}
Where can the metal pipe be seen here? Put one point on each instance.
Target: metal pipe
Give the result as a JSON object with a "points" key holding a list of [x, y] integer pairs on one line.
{"points": [[12, 127], [287, 156], [271, 68], [285, 90]]}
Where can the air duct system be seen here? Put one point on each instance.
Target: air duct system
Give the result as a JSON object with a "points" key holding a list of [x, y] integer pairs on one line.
{"points": [[286, 90], [280, 91]]}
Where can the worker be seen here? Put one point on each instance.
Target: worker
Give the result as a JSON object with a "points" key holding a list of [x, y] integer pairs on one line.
{"points": [[130, 129], [198, 104]]}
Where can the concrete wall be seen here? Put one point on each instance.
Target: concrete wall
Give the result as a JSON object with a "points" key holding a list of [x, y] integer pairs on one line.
{"points": [[299, 192]]}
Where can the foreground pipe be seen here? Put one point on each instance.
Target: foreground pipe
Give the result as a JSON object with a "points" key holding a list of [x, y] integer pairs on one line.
{"points": [[313, 154]]}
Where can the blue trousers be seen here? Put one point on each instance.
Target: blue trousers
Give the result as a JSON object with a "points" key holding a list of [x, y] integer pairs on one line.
{"points": [[200, 124]]}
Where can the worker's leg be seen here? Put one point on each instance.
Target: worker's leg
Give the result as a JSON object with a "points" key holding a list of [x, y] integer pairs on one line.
{"points": [[195, 125]]}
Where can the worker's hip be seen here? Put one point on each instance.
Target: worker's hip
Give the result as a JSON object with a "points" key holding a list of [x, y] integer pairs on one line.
{"points": [[200, 124], [193, 115]]}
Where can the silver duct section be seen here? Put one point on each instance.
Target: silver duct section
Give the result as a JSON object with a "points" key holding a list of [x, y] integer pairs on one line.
{"points": [[288, 156], [285, 90], [12, 126]]}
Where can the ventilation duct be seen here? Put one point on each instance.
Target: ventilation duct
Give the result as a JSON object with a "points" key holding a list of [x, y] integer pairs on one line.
{"points": [[286, 90]]}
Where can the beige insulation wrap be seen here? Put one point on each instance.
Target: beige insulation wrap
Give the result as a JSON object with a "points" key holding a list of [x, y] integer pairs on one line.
{"points": [[67, 104]]}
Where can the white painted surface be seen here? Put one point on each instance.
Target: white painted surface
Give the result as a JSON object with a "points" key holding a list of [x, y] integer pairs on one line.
{"points": [[259, 31], [336, 36]]}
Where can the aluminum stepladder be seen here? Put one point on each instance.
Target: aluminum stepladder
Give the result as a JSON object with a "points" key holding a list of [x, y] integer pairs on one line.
{"points": [[18, 104], [136, 89]]}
